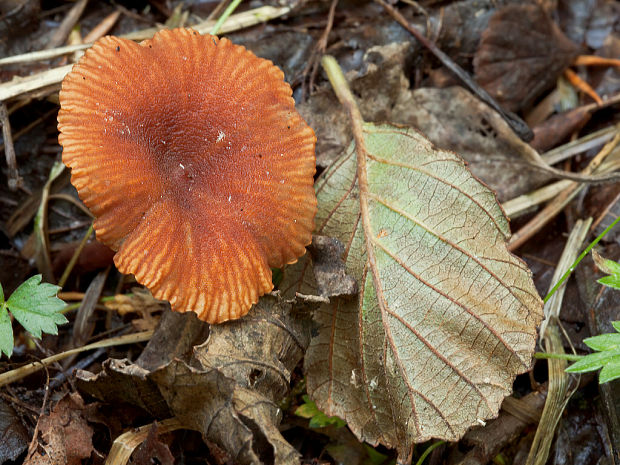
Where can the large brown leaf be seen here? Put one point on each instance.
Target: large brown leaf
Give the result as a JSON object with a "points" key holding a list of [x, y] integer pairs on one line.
{"points": [[446, 316]]}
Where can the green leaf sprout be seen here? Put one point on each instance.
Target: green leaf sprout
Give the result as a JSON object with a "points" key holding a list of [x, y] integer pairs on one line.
{"points": [[607, 356], [35, 306], [317, 418]]}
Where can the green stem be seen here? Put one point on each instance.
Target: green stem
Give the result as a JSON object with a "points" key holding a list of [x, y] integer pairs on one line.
{"points": [[548, 355], [583, 254], [74, 257], [227, 12], [428, 451]]}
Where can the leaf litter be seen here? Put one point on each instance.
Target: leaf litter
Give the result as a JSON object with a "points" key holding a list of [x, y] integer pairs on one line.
{"points": [[244, 372]]}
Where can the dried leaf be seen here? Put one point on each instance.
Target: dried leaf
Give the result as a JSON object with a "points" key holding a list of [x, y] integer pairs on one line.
{"points": [[453, 119], [446, 316], [13, 433], [228, 389], [152, 450], [67, 437], [521, 54]]}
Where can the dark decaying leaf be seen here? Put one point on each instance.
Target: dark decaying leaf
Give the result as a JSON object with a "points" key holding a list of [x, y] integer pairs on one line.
{"points": [[446, 316], [152, 450], [521, 54], [329, 269], [175, 337], [228, 388], [14, 436], [66, 435], [558, 128], [452, 118]]}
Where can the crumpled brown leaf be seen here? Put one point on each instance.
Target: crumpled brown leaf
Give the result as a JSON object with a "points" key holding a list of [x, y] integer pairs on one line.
{"points": [[228, 388], [66, 435], [521, 54], [452, 118], [152, 450]]}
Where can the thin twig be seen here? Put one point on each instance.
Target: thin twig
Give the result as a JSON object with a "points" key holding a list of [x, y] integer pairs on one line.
{"points": [[14, 180], [62, 31], [554, 207], [315, 57], [517, 124], [26, 129], [35, 435]]}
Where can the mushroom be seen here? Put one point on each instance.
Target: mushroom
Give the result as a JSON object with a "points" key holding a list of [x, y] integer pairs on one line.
{"points": [[190, 153]]}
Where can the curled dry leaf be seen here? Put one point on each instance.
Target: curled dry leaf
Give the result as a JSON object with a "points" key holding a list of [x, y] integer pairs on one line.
{"points": [[190, 153], [521, 54], [228, 388], [446, 316]]}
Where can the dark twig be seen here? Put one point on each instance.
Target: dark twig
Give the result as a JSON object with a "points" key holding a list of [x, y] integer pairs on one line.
{"points": [[82, 364], [35, 435], [319, 50], [517, 124], [62, 31], [15, 180]]}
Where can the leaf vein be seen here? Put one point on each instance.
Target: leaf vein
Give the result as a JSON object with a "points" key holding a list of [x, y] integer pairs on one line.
{"points": [[454, 301]]}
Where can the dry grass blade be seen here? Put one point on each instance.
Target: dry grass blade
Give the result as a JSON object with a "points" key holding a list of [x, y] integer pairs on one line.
{"points": [[21, 372], [41, 236], [580, 145], [233, 23], [606, 161], [126, 443], [524, 203], [21, 85], [560, 390], [9, 151]]}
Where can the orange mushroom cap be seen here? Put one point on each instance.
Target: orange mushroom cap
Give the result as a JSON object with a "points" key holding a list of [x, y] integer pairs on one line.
{"points": [[190, 153]]}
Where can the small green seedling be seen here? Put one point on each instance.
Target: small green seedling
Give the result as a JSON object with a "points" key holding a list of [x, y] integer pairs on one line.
{"points": [[317, 418], [610, 267], [33, 304], [607, 356]]}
